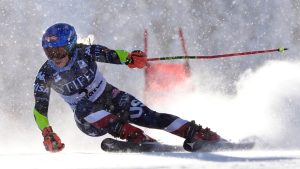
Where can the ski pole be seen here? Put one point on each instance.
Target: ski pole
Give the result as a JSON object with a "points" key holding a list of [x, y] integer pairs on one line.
{"points": [[281, 50]]}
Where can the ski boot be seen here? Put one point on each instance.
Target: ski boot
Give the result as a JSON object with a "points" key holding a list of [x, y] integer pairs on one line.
{"points": [[136, 140], [134, 134], [196, 136]]}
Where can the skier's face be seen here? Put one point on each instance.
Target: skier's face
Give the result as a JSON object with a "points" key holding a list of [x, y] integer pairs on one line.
{"points": [[58, 55], [61, 62]]}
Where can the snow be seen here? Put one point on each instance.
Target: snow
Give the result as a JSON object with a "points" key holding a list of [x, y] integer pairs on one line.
{"points": [[236, 97], [85, 160]]}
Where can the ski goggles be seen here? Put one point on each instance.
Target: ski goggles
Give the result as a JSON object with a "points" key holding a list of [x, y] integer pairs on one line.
{"points": [[56, 53]]}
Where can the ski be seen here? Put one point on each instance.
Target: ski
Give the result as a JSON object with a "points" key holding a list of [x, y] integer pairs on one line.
{"points": [[113, 145], [222, 145]]}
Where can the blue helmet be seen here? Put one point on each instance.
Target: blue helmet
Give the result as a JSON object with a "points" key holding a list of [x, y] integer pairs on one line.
{"points": [[60, 35]]}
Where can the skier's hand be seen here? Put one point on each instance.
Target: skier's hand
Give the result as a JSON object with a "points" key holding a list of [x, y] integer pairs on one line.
{"points": [[138, 59], [52, 142]]}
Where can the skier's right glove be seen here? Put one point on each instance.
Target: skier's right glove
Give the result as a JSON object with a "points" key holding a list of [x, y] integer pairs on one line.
{"points": [[52, 142], [138, 59]]}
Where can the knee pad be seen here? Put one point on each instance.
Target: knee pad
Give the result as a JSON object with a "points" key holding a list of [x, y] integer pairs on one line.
{"points": [[90, 130]]}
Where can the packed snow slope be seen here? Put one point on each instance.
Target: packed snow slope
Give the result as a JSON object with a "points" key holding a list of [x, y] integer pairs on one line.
{"points": [[227, 160], [237, 97]]}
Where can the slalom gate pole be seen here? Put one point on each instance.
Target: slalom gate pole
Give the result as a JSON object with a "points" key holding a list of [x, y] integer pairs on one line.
{"points": [[186, 64], [146, 41], [281, 50], [180, 32]]}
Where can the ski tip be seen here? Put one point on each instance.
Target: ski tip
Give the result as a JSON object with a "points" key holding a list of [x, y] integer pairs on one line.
{"points": [[211, 146]]}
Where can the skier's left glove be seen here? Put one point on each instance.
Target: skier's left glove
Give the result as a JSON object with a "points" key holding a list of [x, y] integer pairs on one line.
{"points": [[52, 142], [137, 59]]}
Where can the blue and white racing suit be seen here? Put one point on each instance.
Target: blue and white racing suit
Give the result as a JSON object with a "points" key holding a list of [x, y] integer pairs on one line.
{"points": [[92, 99]]}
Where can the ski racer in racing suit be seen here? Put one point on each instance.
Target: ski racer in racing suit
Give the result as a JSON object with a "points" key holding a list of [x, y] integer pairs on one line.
{"points": [[98, 106]]}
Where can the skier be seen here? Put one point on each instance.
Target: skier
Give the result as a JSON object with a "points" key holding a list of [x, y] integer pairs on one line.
{"points": [[98, 106]]}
